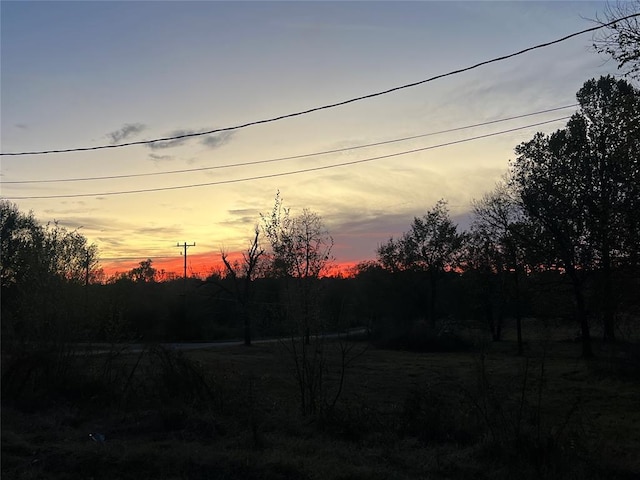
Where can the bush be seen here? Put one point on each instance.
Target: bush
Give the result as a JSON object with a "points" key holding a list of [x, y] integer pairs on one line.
{"points": [[37, 377], [171, 376], [520, 438], [432, 418], [419, 337]]}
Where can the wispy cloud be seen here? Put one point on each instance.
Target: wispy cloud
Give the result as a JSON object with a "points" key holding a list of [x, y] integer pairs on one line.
{"points": [[217, 140], [242, 216], [160, 158], [211, 140], [166, 231], [127, 131], [173, 143]]}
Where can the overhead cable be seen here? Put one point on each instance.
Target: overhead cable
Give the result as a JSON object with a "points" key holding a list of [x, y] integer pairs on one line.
{"points": [[282, 174], [281, 159], [328, 106]]}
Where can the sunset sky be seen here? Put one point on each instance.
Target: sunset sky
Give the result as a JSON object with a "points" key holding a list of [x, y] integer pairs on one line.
{"points": [[81, 74]]}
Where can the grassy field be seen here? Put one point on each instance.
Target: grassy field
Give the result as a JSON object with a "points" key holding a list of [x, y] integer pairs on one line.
{"points": [[480, 412]]}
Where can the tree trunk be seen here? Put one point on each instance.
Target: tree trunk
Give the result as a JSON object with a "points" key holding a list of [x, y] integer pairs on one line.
{"points": [[518, 314], [432, 299], [581, 313], [607, 300]]}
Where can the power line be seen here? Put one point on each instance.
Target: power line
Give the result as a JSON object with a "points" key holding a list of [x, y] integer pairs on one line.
{"points": [[293, 172], [328, 106], [293, 157]]}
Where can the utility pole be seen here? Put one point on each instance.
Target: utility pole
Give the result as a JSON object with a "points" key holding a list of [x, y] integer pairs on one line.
{"points": [[185, 245], [87, 265]]}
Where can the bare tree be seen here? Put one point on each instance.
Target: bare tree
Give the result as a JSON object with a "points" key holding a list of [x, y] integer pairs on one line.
{"points": [[243, 275], [300, 254], [621, 40]]}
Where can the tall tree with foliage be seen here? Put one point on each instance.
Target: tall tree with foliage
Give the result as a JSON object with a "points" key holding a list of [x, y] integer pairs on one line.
{"points": [[43, 271], [580, 184], [432, 246]]}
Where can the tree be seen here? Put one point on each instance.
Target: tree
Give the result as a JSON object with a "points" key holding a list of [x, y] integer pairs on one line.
{"points": [[604, 137], [432, 246], [300, 254], [144, 272], [22, 239], [300, 246], [243, 275], [493, 255], [300, 251], [43, 269], [621, 40], [580, 185]]}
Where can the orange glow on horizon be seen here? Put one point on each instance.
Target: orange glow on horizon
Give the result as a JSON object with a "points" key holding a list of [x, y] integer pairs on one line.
{"points": [[202, 265]]}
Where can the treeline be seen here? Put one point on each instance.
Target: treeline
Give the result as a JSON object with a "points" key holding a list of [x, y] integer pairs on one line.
{"points": [[557, 238]]}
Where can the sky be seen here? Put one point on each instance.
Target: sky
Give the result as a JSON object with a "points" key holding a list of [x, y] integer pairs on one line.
{"points": [[82, 74]]}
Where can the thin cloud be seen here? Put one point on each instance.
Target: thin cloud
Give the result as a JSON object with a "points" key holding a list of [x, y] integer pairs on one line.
{"points": [[127, 131], [166, 231], [242, 212], [160, 158], [217, 140], [172, 143], [242, 216], [211, 141]]}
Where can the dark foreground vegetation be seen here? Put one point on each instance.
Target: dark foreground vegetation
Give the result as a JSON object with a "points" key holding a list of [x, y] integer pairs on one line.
{"points": [[476, 411]]}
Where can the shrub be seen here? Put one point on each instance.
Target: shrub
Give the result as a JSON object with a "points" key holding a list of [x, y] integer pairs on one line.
{"points": [[419, 337]]}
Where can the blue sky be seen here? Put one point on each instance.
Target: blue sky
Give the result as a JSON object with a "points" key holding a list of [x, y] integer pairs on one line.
{"points": [[78, 74]]}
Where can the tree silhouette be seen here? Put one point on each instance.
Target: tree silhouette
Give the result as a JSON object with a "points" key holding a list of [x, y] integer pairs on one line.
{"points": [[144, 272], [580, 185], [43, 269], [243, 275], [495, 252], [432, 246]]}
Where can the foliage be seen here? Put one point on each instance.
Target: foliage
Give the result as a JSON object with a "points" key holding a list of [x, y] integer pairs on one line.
{"points": [[300, 246], [496, 253], [43, 271], [579, 189], [621, 41], [144, 272], [300, 255], [432, 246]]}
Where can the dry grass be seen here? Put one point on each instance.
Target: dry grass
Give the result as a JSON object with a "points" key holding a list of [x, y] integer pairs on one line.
{"points": [[402, 415]]}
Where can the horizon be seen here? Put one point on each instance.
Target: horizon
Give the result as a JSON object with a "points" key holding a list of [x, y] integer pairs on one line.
{"points": [[202, 266]]}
